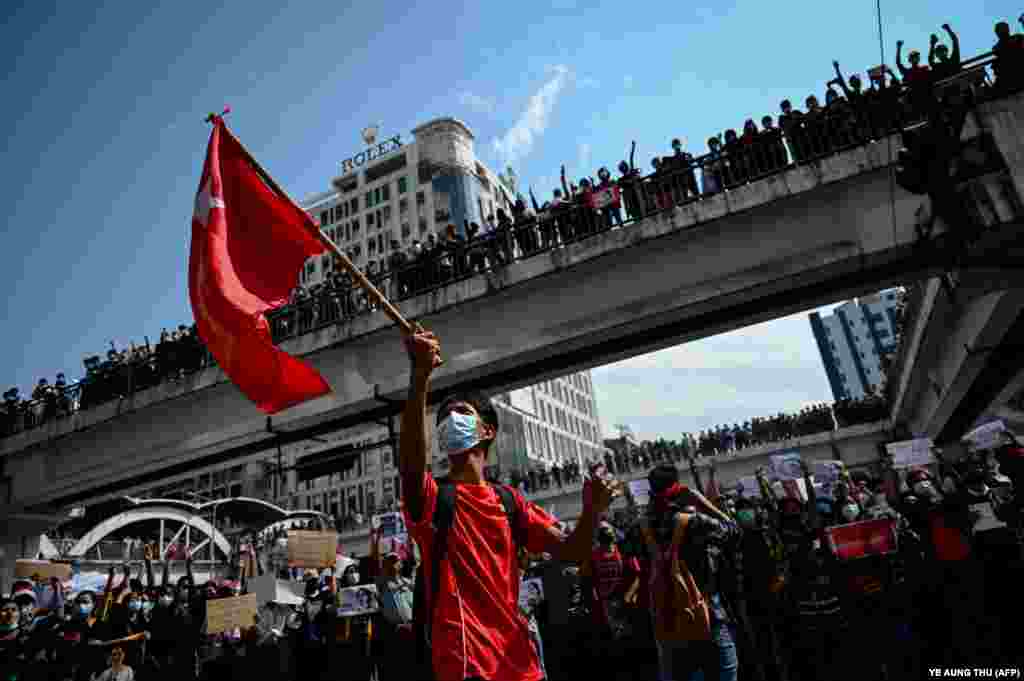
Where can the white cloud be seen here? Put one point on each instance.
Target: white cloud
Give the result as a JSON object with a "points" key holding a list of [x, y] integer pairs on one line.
{"points": [[585, 82], [627, 82], [477, 103], [584, 157], [518, 141]]}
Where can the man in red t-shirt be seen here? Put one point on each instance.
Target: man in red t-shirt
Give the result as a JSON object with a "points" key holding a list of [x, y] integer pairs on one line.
{"points": [[476, 629]]}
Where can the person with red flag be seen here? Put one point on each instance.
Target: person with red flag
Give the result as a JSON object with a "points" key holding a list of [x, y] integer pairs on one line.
{"points": [[249, 242]]}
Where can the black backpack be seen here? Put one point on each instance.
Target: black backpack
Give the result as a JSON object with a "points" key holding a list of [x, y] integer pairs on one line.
{"points": [[444, 516]]}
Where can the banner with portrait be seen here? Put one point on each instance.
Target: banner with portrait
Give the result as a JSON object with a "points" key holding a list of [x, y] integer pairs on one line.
{"points": [[358, 600]]}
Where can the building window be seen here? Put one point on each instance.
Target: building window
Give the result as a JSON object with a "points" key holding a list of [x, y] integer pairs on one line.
{"points": [[403, 205], [355, 227], [420, 198], [369, 220], [354, 203], [385, 192], [423, 225], [369, 199], [386, 214], [403, 185], [406, 230]]}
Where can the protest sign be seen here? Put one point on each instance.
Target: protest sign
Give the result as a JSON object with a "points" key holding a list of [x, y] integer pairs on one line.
{"points": [[640, 490], [987, 436], [531, 594], [228, 614], [605, 197], [311, 549], [748, 488], [268, 589], [357, 600], [41, 569], [911, 453], [388, 524], [827, 474], [785, 466], [865, 538]]}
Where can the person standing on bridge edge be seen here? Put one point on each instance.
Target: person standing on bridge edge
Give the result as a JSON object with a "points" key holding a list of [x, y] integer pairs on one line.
{"points": [[471, 571]]}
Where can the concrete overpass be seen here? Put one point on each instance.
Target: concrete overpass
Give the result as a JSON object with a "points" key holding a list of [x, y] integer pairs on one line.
{"points": [[807, 236], [961, 357]]}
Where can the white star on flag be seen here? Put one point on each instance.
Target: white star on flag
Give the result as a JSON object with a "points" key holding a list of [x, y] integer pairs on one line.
{"points": [[206, 201]]}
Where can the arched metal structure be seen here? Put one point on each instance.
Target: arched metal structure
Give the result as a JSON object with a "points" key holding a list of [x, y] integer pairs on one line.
{"points": [[191, 516], [188, 520]]}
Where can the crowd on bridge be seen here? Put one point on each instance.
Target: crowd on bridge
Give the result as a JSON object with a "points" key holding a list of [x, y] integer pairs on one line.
{"points": [[177, 353], [852, 115], [783, 604]]}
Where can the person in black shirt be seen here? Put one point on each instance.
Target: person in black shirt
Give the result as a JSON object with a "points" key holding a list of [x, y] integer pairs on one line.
{"points": [[944, 64], [791, 122], [1009, 59]]}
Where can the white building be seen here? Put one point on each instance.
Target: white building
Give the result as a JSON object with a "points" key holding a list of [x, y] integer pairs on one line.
{"points": [[852, 340], [393, 190]]}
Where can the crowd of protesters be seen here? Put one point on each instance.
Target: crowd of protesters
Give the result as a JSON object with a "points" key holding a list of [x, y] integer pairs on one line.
{"points": [[782, 604], [124, 372], [852, 114]]}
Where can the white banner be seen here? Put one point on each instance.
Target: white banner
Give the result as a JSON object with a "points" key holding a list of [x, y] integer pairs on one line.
{"points": [[357, 600]]}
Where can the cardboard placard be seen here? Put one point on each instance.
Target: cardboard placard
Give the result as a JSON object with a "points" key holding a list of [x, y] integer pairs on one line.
{"points": [[865, 538], [785, 466], [228, 614], [640, 490], [312, 549], [268, 589], [357, 600], [44, 569], [911, 453]]}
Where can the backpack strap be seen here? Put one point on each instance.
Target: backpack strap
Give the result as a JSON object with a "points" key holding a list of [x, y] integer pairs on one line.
{"points": [[508, 502], [444, 516]]}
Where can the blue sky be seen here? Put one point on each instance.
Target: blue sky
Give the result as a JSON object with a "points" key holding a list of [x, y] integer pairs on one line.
{"points": [[104, 140]]}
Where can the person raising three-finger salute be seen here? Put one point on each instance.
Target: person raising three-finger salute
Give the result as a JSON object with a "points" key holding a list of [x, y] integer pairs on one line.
{"points": [[469, 532]]}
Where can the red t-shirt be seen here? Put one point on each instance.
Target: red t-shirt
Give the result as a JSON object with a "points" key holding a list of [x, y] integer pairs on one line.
{"points": [[478, 629]]}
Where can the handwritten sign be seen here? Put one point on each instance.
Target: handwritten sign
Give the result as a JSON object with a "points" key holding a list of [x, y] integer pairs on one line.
{"points": [[785, 466], [41, 569], [866, 538], [309, 549], [228, 614], [357, 600], [640, 490], [911, 453]]}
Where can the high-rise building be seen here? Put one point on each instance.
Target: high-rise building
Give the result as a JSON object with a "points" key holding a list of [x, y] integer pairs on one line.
{"points": [[852, 341], [397, 191]]}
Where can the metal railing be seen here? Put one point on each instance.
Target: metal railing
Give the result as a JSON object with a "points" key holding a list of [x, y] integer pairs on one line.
{"points": [[681, 180]]}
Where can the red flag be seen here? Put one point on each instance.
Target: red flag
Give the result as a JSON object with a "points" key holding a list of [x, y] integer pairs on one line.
{"points": [[249, 244]]}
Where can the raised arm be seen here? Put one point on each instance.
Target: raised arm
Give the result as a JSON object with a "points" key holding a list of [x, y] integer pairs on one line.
{"points": [[632, 156], [148, 555], [955, 54], [899, 58], [840, 80], [932, 42], [533, 200], [424, 352], [565, 187]]}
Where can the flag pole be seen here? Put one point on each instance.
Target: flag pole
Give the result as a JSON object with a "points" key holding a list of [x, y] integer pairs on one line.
{"points": [[389, 309]]}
